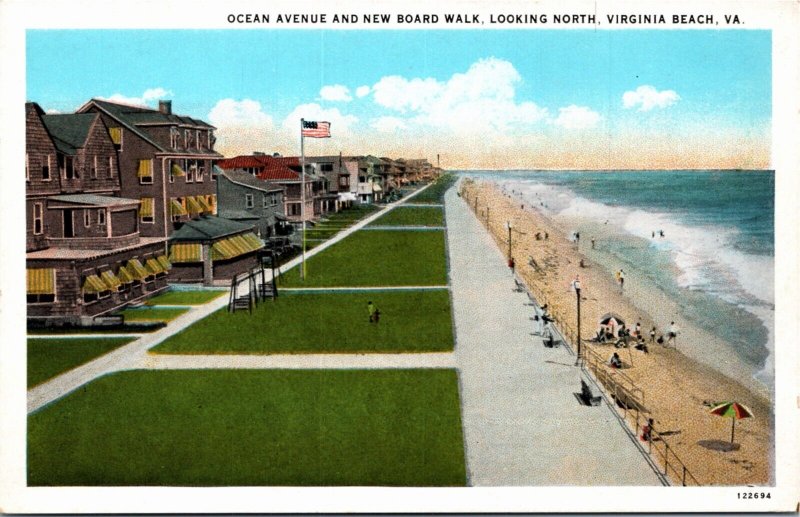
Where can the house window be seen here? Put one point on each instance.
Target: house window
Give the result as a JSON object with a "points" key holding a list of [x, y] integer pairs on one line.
{"points": [[174, 134], [110, 166], [273, 199], [201, 170], [197, 138], [46, 170], [146, 212], [116, 137], [248, 201], [264, 201], [101, 216], [211, 140], [362, 179], [68, 168], [37, 219], [186, 134], [87, 219], [326, 167], [27, 171], [189, 171], [145, 172], [93, 169], [344, 181], [294, 208]]}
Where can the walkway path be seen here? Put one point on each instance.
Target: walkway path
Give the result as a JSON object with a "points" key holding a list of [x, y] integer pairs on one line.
{"points": [[133, 354], [299, 361], [523, 425]]}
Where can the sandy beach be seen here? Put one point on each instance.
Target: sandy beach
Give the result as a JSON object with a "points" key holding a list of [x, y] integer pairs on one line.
{"points": [[678, 389]]}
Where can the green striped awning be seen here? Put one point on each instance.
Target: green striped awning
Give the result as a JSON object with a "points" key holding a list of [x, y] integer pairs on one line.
{"points": [[93, 284], [41, 281], [179, 253], [193, 206], [164, 261], [110, 279]]}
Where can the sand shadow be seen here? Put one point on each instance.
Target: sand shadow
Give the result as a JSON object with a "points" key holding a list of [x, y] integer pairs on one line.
{"points": [[719, 445], [562, 364]]}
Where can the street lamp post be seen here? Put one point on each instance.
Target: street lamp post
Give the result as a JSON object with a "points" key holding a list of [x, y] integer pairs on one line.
{"points": [[577, 285], [508, 224]]}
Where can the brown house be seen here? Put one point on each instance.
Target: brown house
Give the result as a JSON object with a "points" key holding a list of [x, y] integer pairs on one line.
{"points": [[85, 257], [165, 161]]}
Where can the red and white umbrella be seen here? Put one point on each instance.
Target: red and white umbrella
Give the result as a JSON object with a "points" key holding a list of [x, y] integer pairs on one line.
{"points": [[734, 410]]}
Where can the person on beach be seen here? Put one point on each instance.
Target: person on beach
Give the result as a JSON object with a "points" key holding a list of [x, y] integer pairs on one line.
{"points": [[647, 430], [660, 340], [653, 235], [592, 242], [621, 279], [637, 332], [614, 361], [616, 276], [653, 335], [672, 335], [546, 235], [511, 265], [578, 237]]}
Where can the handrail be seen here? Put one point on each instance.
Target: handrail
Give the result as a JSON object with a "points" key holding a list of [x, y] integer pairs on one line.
{"points": [[628, 396]]}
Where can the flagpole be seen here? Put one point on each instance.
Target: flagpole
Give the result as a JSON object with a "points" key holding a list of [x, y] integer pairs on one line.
{"points": [[303, 198]]}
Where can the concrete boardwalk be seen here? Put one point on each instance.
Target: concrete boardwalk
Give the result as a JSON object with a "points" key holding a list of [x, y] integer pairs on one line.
{"points": [[523, 425]]}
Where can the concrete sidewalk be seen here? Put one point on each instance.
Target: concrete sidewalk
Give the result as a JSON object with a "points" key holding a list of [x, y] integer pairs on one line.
{"points": [[523, 425]]}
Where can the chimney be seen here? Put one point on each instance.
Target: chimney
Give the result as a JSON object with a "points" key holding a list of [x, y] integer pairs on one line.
{"points": [[165, 107]]}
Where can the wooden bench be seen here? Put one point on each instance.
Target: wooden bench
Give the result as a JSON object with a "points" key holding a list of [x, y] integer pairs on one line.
{"points": [[588, 395]]}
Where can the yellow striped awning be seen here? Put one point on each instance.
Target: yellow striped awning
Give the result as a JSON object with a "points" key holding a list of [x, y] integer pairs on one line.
{"points": [[116, 134], [137, 270], [110, 279], [193, 206], [254, 241], [154, 266], [179, 253], [204, 204], [145, 169], [164, 261], [212, 202], [177, 171], [93, 284], [222, 249], [123, 275], [175, 207], [235, 246], [146, 208], [41, 281]]}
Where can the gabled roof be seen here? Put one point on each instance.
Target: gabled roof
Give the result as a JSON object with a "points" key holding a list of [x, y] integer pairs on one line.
{"points": [[134, 116], [271, 168], [248, 180], [208, 228], [70, 131]]}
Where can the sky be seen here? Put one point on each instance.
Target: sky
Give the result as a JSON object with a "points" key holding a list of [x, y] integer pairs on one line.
{"points": [[494, 99]]}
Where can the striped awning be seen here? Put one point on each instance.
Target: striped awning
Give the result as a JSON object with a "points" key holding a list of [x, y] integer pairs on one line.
{"points": [[93, 284], [177, 171], [41, 281], [145, 169], [235, 246], [176, 208], [110, 279], [146, 208], [116, 134], [164, 261], [179, 253], [137, 270], [123, 275], [193, 206], [204, 203], [154, 266]]}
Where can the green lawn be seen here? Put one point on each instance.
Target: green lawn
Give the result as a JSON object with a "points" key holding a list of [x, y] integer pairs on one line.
{"points": [[376, 258], [411, 216], [184, 297], [50, 357], [152, 314], [435, 193], [411, 321], [252, 428]]}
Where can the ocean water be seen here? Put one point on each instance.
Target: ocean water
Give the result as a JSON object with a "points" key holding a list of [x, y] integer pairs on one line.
{"points": [[717, 250]]}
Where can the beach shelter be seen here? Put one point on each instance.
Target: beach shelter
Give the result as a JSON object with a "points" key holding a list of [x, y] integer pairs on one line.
{"points": [[734, 410], [613, 320]]}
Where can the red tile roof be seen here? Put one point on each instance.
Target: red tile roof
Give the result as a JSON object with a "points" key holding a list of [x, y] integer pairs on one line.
{"points": [[269, 167], [240, 162]]}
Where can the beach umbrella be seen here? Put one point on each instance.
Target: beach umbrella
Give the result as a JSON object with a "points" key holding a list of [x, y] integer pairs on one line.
{"points": [[606, 319], [734, 410]]}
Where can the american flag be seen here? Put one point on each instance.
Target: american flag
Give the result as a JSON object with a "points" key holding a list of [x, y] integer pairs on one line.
{"points": [[316, 129]]}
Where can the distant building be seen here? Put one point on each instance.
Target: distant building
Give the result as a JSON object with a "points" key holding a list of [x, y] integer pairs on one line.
{"points": [[245, 198], [85, 256]]}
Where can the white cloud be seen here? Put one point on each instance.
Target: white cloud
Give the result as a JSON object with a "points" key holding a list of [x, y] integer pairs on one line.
{"points": [[335, 92], [244, 113], [480, 99], [340, 123], [577, 117], [147, 97], [647, 98], [388, 124], [363, 91]]}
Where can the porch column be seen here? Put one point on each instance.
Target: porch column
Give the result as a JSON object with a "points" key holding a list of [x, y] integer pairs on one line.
{"points": [[208, 268]]}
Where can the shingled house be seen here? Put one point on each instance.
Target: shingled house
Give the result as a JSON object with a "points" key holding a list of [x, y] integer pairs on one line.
{"points": [[245, 198], [85, 256], [165, 161]]}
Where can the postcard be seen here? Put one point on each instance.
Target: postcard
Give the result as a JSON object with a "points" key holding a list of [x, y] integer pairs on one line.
{"points": [[410, 257]]}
